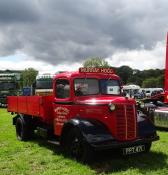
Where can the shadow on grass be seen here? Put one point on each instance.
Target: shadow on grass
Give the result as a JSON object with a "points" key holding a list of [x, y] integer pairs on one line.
{"points": [[113, 161], [162, 129]]}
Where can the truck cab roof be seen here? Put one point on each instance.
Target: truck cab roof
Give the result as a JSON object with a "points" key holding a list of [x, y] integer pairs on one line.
{"points": [[77, 74]]}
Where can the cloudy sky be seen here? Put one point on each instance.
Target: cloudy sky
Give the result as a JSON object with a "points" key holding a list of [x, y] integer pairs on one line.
{"points": [[52, 35]]}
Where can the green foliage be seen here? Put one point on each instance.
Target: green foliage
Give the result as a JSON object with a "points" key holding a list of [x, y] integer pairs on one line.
{"points": [[161, 80], [124, 72], [96, 62], [28, 76], [153, 82], [147, 78], [150, 83]]}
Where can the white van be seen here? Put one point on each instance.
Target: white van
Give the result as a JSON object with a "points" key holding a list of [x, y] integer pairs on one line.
{"points": [[131, 89]]}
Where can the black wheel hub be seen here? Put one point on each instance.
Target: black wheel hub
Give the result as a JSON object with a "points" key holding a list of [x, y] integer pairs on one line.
{"points": [[76, 148]]}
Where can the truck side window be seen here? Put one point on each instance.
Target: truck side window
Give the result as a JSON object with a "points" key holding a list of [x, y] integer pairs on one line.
{"points": [[62, 89]]}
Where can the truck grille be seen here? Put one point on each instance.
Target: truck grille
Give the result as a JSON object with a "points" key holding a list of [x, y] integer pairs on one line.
{"points": [[125, 122]]}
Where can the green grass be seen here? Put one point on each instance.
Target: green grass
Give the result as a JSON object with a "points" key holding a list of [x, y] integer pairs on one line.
{"points": [[38, 157]]}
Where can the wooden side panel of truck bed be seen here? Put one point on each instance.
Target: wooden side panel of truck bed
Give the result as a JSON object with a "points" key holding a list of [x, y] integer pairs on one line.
{"points": [[37, 106]]}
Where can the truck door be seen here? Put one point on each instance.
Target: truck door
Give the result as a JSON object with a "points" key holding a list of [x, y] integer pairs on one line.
{"points": [[62, 104]]}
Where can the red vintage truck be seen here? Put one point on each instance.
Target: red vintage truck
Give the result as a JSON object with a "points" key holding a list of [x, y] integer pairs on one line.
{"points": [[86, 112]]}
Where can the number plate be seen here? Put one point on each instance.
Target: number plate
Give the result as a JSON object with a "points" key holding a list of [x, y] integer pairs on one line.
{"points": [[133, 150]]}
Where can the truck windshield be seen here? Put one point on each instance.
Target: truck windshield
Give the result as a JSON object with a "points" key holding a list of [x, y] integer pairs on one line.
{"points": [[94, 86], [7, 85], [86, 86], [44, 84], [110, 87]]}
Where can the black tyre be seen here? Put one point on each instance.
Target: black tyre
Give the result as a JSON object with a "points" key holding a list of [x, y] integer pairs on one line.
{"points": [[77, 147], [24, 130], [148, 147]]}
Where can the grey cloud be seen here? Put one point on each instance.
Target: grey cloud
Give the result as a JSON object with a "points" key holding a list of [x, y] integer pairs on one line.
{"points": [[69, 31], [17, 11]]}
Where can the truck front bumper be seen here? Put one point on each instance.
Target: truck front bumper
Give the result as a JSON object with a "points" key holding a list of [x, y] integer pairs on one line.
{"points": [[110, 144]]}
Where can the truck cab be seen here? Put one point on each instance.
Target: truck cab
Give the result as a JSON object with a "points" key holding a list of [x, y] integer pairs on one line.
{"points": [[8, 86], [93, 96], [86, 112]]}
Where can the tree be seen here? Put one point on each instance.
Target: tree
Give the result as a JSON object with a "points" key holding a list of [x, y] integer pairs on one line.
{"points": [[149, 83], [28, 77], [96, 62], [124, 72], [138, 77], [157, 82], [160, 80]]}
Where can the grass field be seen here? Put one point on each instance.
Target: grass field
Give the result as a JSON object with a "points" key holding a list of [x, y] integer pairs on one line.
{"points": [[38, 157]]}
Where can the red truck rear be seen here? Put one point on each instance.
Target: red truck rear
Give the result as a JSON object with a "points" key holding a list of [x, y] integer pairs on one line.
{"points": [[86, 112]]}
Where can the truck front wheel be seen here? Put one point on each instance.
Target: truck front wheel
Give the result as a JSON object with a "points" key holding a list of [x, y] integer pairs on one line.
{"points": [[23, 130], [77, 147], [147, 147]]}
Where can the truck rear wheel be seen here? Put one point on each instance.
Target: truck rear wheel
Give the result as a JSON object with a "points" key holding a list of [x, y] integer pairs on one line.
{"points": [[77, 147], [23, 129]]}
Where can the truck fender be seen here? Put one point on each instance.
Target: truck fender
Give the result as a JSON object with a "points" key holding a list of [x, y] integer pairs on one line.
{"points": [[145, 126], [23, 117], [15, 118], [93, 131]]}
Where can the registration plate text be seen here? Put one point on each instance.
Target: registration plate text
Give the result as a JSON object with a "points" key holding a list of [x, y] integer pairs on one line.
{"points": [[133, 149]]}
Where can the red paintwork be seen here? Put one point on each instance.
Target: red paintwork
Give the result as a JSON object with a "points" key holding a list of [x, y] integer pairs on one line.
{"points": [[164, 109], [159, 97], [102, 112], [166, 72], [36, 106], [121, 122]]}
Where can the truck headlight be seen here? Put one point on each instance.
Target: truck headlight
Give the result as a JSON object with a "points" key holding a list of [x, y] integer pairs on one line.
{"points": [[111, 106], [142, 105]]}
